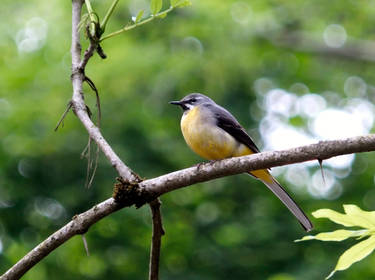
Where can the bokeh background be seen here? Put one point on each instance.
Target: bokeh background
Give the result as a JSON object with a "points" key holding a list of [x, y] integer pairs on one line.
{"points": [[292, 72]]}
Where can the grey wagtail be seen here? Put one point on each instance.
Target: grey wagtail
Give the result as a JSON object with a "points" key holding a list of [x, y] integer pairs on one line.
{"points": [[213, 133]]}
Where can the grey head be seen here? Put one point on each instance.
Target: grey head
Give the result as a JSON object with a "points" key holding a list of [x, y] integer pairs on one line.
{"points": [[192, 100]]}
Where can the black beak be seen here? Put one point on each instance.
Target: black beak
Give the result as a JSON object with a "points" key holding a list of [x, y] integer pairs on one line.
{"points": [[175, 103], [179, 103]]}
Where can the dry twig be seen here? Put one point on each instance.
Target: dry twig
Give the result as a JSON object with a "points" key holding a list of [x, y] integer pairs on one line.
{"points": [[157, 233]]}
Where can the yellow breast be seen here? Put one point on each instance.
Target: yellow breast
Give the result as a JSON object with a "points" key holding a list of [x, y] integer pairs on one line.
{"points": [[208, 140]]}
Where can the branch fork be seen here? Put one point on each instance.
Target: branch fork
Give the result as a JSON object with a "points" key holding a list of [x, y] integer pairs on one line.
{"points": [[130, 189], [129, 193]]}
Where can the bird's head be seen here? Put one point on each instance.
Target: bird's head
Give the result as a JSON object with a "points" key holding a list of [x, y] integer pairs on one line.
{"points": [[192, 100]]}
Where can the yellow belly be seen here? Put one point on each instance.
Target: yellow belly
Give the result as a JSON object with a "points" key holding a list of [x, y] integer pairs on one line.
{"points": [[208, 140], [212, 142]]}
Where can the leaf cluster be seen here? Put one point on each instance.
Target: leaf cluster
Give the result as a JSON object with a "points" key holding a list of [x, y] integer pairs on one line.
{"points": [[353, 217]]}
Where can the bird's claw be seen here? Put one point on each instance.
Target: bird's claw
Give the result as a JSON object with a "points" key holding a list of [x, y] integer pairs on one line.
{"points": [[199, 165]]}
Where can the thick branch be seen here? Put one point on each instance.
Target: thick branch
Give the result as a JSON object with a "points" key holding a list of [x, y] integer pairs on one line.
{"points": [[182, 178], [157, 233], [208, 171], [76, 46]]}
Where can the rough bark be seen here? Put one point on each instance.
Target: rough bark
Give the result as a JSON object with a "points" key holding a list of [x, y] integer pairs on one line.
{"points": [[186, 177]]}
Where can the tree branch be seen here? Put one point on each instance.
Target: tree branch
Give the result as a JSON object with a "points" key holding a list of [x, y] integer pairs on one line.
{"points": [[79, 107], [182, 178], [157, 233], [355, 49], [208, 171], [78, 225]]}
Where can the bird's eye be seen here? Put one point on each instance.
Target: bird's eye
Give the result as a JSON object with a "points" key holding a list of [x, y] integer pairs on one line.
{"points": [[193, 100]]}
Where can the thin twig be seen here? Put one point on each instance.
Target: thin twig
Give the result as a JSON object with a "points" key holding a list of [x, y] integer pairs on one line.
{"points": [[61, 121], [157, 233], [90, 178], [97, 152], [108, 14], [132, 26], [94, 88], [86, 153], [85, 245], [321, 169]]}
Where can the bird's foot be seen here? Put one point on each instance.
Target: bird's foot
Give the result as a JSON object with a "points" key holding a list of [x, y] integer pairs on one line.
{"points": [[199, 165]]}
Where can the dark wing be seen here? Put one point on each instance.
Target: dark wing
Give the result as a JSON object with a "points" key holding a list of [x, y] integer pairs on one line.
{"points": [[227, 122]]}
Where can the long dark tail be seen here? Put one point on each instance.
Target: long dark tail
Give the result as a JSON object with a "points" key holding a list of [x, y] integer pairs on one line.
{"points": [[285, 198]]}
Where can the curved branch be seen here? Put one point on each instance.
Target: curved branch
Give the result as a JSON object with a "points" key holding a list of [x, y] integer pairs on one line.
{"points": [[78, 225], [79, 106], [182, 178]]}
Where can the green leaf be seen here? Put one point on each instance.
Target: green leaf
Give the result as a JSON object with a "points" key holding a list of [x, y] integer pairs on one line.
{"points": [[184, 4], [354, 216], [180, 3], [156, 6], [363, 218], [139, 16], [83, 21], [336, 217], [354, 254], [337, 235]]}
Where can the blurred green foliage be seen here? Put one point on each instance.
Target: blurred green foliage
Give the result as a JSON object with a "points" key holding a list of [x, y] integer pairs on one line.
{"points": [[230, 228]]}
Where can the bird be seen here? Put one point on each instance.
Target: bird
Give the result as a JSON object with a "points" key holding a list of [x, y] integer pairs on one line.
{"points": [[213, 133]]}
